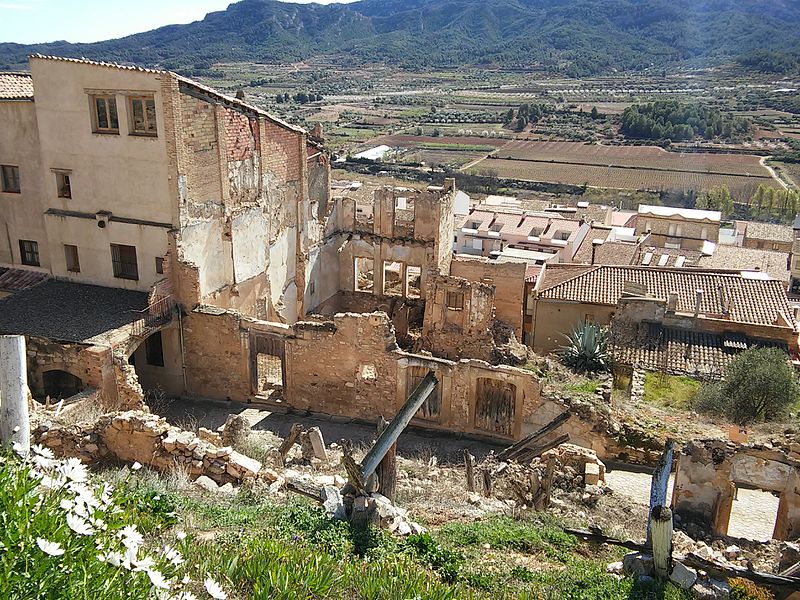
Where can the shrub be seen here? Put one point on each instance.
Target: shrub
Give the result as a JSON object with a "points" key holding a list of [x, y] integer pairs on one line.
{"points": [[759, 385], [586, 348]]}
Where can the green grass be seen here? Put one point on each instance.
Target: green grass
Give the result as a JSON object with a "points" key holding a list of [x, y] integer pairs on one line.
{"points": [[670, 391], [456, 147]]}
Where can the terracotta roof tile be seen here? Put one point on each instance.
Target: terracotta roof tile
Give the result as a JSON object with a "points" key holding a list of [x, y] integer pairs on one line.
{"points": [[750, 300], [773, 232], [16, 86], [770, 262], [14, 280]]}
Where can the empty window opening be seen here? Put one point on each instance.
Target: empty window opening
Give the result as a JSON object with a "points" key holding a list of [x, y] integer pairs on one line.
{"points": [[413, 282], [455, 300], [10, 179], [364, 274], [60, 384], [160, 265], [753, 514], [392, 278], [494, 406], [63, 185], [104, 114], [123, 260], [142, 111], [154, 350], [269, 366], [71, 258], [29, 253], [432, 407], [404, 216]]}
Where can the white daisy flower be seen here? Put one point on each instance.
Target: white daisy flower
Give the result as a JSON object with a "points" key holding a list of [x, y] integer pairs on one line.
{"points": [[180, 535], [146, 564], [66, 504], [130, 537], [78, 525], [113, 558], [51, 548], [43, 451], [186, 596], [214, 589], [157, 579], [136, 466], [74, 470], [172, 555]]}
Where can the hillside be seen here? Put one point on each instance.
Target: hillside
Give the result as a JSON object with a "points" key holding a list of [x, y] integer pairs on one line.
{"points": [[577, 37]]}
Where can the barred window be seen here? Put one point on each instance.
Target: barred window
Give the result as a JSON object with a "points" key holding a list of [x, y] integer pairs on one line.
{"points": [[123, 259]]}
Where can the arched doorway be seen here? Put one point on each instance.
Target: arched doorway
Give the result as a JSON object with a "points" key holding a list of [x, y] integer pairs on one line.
{"points": [[60, 384]]}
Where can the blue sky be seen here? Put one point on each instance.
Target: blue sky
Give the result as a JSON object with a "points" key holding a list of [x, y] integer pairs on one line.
{"points": [[29, 21]]}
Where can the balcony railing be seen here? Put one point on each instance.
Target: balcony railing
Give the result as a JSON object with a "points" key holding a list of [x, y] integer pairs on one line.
{"points": [[154, 317]]}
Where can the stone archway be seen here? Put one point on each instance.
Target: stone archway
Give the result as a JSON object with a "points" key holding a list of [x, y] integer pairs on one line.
{"points": [[60, 384]]}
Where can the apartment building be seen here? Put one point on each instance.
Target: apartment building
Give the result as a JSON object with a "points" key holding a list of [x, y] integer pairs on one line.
{"points": [[678, 228]]}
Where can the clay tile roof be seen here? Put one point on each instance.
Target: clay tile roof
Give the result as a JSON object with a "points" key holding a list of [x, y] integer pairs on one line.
{"points": [[16, 86], [773, 232], [750, 299], [681, 351], [86, 61], [774, 264], [14, 280]]}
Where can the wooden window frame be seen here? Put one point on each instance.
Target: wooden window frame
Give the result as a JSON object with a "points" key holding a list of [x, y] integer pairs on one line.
{"points": [[6, 182], [71, 256], [123, 266], [455, 300], [29, 253], [96, 128], [159, 265], [146, 132], [63, 184]]}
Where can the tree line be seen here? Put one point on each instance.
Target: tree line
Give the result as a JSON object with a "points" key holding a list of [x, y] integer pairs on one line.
{"points": [[669, 119]]}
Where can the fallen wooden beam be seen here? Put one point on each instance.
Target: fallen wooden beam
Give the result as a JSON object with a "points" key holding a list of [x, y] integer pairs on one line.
{"points": [[515, 448], [308, 492], [715, 568], [529, 454], [290, 440], [400, 421], [591, 536]]}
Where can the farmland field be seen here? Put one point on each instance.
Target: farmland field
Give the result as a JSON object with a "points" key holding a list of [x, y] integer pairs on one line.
{"points": [[741, 186], [428, 141], [631, 167], [651, 157]]}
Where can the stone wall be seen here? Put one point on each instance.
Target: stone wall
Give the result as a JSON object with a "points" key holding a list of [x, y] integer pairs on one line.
{"points": [[708, 472], [136, 436]]}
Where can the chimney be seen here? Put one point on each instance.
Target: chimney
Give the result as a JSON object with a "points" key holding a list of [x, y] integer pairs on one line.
{"points": [[698, 302], [672, 302], [596, 243]]}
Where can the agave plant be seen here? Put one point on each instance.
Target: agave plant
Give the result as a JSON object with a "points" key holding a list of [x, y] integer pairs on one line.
{"points": [[585, 349]]}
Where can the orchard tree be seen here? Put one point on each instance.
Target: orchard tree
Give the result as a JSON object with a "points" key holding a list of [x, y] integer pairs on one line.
{"points": [[758, 385], [717, 198]]}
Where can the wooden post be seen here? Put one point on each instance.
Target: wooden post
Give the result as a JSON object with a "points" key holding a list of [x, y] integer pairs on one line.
{"points": [[487, 483], [387, 469], [661, 538], [469, 463], [289, 441], [15, 425], [515, 449], [658, 485]]}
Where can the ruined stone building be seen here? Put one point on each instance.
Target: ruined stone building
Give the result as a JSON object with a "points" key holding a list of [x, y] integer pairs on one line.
{"points": [[163, 238]]}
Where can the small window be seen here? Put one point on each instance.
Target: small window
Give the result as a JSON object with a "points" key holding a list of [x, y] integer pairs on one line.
{"points": [[29, 252], [71, 258], [154, 350], [104, 114], [477, 244], [143, 115], [160, 265], [455, 300], [123, 259], [311, 288], [10, 175], [64, 185], [589, 318]]}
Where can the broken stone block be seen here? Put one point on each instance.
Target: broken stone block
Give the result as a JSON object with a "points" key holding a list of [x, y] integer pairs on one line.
{"points": [[227, 488], [206, 483], [682, 576], [615, 568], [317, 443], [332, 503], [235, 430], [732, 552], [636, 564], [244, 465], [711, 589], [591, 473]]}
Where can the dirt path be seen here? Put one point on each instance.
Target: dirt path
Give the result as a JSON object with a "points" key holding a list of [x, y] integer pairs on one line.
{"points": [[753, 514]]}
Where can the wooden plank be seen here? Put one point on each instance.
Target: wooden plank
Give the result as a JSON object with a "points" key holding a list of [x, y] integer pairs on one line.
{"points": [[509, 452], [714, 568], [529, 455], [591, 536], [469, 463], [290, 440]]}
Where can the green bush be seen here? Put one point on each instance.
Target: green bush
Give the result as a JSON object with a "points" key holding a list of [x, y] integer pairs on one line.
{"points": [[758, 385]]}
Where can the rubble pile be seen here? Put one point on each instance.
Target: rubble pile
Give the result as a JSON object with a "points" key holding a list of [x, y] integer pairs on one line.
{"points": [[136, 436]]}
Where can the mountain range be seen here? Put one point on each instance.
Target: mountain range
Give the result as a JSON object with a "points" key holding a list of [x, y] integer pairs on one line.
{"points": [[576, 37]]}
